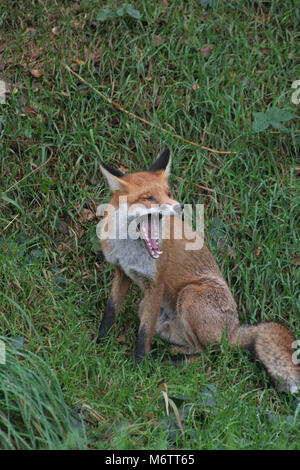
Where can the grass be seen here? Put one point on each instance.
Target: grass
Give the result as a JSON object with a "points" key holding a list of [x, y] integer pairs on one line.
{"points": [[54, 280], [33, 410]]}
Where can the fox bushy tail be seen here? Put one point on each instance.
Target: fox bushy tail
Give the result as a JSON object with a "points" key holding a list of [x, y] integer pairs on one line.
{"points": [[272, 343]]}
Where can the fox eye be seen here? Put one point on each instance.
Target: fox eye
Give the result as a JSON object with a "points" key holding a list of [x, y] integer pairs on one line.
{"points": [[169, 194], [150, 198]]}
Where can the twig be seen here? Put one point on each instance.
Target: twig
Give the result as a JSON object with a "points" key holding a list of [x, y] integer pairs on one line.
{"points": [[120, 108], [31, 172], [207, 189], [199, 185], [12, 221]]}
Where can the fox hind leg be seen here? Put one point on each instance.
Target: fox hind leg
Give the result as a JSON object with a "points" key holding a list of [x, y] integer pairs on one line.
{"points": [[170, 327], [207, 312]]}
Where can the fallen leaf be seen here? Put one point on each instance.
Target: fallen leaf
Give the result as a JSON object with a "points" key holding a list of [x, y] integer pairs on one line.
{"points": [[80, 62], [93, 205], [86, 216], [206, 50], [36, 73], [296, 260], [158, 101], [85, 52], [258, 250], [158, 40], [165, 5], [31, 110], [95, 57]]}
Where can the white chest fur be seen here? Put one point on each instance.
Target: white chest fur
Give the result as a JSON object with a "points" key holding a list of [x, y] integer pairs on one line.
{"points": [[133, 258]]}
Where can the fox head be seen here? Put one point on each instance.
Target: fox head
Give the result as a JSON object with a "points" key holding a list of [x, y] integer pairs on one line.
{"points": [[145, 197]]}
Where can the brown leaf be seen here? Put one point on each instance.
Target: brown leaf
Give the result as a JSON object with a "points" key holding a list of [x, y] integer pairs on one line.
{"points": [[158, 40], [86, 216], [85, 52], [264, 50], [158, 101], [93, 205], [95, 57], [296, 260], [36, 73], [31, 110], [206, 50], [165, 5], [80, 232]]}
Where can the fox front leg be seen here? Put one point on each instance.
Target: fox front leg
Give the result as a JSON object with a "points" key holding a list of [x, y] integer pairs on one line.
{"points": [[151, 309], [117, 296]]}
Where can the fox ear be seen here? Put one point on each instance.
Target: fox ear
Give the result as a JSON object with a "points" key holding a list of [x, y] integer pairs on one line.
{"points": [[113, 177], [163, 163]]}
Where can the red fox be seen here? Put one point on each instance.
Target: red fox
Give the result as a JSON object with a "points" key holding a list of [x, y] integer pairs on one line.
{"points": [[186, 300]]}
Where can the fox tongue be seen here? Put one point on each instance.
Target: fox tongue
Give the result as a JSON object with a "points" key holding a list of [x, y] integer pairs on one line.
{"points": [[151, 241]]}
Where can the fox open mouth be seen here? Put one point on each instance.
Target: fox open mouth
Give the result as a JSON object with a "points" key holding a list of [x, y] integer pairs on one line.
{"points": [[149, 230]]}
